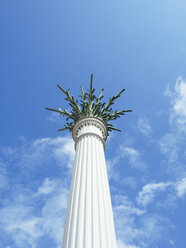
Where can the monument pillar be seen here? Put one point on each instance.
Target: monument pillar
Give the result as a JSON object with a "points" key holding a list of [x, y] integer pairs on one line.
{"points": [[89, 218]]}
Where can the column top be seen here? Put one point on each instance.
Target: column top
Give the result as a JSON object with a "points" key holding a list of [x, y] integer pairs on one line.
{"points": [[90, 126]]}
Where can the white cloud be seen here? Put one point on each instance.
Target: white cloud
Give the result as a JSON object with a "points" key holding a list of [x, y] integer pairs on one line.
{"points": [[135, 227], [144, 127], [54, 117], [175, 190], [171, 242], [154, 228], [123, 204], [42, 150], [112, 169], [60, 148], [135, 161], [27, 222], [169, 146], [47, 187], [120, 244], [149, 191], [181, 187], [66, 148], [130, 182], [3, 176], [134, 157], [125, 214], [173, 142], [178, 104], [34, 213]]}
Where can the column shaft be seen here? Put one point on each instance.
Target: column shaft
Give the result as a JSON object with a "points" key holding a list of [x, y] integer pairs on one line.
{"points": [[89, 219]]}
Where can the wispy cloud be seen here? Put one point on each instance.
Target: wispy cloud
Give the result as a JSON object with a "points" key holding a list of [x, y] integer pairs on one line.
{"points": [[146, 196], [134, 160], [120, 244], [112, 169], [3, 176], [130, 182], [169, 145], [28, 217], [123, 204], [40, 151], [172, 143], [181, 187], [173, 191], [134, 157], [178, 104], [47, 187], [54, 117], [27, 223], [144, 127], [135, 227]]}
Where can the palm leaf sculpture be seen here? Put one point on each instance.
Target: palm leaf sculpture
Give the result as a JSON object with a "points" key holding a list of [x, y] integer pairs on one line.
{"points": [[90, 106]]}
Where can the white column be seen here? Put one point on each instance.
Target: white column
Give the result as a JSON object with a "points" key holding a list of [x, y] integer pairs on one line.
{"points": [[89, 218]]}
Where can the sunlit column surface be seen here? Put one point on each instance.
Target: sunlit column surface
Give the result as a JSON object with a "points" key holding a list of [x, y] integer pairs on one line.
{"points": [[89, 218]]}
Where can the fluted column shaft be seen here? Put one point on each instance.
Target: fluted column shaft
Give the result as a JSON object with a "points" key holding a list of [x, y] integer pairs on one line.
{"points": [[89, 218]]}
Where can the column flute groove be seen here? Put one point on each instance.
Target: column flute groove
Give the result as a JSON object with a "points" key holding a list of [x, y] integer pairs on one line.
{"points": [[70, 205]]}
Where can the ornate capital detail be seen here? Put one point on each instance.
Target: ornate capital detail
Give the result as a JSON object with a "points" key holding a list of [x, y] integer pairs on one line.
{"points": [[90, 126]]}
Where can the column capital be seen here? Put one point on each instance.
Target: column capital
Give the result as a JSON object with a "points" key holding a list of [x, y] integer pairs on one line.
{"points": [[90, 126]]}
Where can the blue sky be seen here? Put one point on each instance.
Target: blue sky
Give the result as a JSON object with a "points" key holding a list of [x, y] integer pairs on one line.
{"points": [[136, 45]]}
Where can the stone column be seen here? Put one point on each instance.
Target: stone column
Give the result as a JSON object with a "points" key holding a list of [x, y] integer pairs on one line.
{"points": [[89, 218]]}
